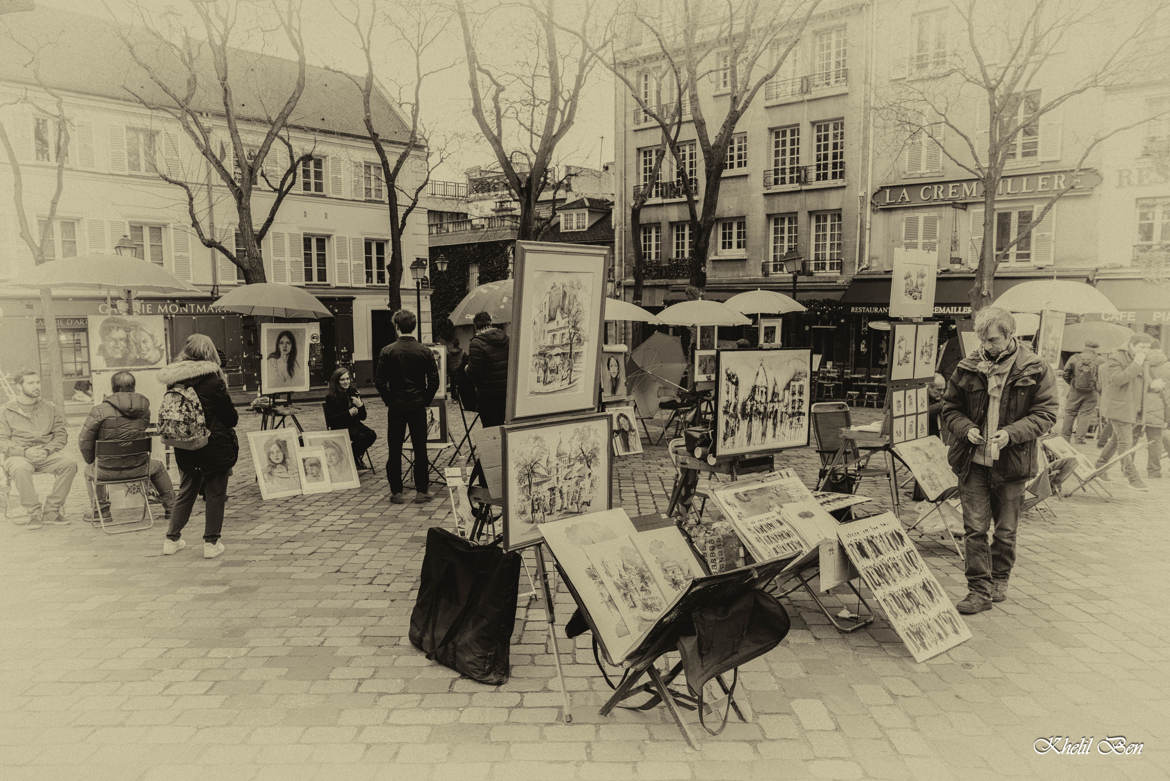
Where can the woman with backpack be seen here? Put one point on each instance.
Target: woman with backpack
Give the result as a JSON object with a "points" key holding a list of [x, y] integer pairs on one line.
{"points": [[204, 470]]}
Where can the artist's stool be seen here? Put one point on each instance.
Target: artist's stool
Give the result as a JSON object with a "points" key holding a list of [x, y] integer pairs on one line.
{"points": [[851, 397]]}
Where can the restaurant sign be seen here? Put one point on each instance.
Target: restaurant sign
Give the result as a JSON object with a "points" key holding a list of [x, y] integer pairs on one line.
{"points": [[939, 309], [971, 190]]}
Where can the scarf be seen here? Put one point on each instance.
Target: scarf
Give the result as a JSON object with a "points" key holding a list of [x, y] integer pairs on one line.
{"points": [[996, 370]]}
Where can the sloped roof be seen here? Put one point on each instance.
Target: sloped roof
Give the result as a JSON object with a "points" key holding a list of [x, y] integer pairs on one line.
{"points": [[83, 54], [600, 232], [592, 204]]}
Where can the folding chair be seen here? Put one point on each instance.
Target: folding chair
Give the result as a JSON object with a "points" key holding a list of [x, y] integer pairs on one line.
{"points": [[681, 409], [946, 503], [1042, 487], [828, 418], [105, 449]]}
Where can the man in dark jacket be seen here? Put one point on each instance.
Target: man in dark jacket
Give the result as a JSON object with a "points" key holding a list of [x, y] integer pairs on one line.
{"points": [[1080, 405], [123, 415], [407, 378], [997, 403], [487, 365]]}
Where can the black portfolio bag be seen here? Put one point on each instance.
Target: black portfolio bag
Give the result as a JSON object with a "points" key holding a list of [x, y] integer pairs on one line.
{"points": [[466, 606]]}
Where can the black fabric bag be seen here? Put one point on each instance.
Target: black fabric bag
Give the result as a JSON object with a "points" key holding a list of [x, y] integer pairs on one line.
{"points": [[727, 636], [466, 606]]}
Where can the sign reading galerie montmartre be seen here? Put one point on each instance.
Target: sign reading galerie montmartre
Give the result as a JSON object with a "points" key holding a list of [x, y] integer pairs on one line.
{"points": [[971, 190]]}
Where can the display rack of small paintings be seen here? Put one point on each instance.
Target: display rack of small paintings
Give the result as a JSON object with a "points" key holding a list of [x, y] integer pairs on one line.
{"points": [[915, 351], [552, 470], [762, 400], [907, 405], [557, 328], [440, 353], [285, 468], [626, 440], [705, 365], [613, 372]]}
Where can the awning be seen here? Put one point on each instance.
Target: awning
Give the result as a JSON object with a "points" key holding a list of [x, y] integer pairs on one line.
{"points": [[871, 295], [1135, 295]]}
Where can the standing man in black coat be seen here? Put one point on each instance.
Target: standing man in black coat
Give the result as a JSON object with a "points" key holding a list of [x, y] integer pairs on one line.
{"points": [[487, 365], [407, 378]]}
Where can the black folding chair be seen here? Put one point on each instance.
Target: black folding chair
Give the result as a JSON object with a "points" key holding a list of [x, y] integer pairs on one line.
{"points": [[828, 418], [104, 450]]}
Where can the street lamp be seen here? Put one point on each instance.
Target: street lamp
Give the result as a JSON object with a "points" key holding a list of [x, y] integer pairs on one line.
{"points": [[418, 271], [441, 263], [125, 248], [793, 264]]}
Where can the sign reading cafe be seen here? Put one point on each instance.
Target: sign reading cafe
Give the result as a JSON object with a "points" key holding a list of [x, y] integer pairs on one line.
{"points": [[971, 190]]}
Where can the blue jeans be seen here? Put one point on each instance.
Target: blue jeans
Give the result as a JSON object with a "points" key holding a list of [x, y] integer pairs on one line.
{"points": [[986, 498]]}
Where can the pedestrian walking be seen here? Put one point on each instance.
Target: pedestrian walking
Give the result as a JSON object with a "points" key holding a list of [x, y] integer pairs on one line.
{"points": [[488, 368], [205, 470], [1080, 405], [345, 409], [1123, 389], [32, 435], [407, 378], [998, 402], [1156, 411]]}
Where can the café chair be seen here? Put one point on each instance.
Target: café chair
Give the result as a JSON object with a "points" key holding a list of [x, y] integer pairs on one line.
{"points": [[104, 450]]}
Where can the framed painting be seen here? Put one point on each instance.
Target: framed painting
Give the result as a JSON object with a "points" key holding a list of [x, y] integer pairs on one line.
{"points": [[314, 474], [705, 365], [126, 342], [437, 421], [912, 283], [554, 470], [556, 328], [898, 401], [708, 337], [343, 473], [440, 353], [902, 356], [925, 351], [285, 367], [613, 372], [274, 456], [626, 441], [770, 331], [761, 400]]}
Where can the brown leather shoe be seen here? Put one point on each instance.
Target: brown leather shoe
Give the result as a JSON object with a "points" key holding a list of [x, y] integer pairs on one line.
{"points": [[973, 603], [999, 590]]}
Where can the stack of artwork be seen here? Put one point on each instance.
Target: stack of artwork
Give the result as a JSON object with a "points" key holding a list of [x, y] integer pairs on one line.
{"points": [[284, 467], [762, 400]]}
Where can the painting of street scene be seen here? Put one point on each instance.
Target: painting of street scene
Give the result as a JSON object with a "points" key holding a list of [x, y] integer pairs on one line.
{"points": [[554, 471], [560, 333], [763, 400]]}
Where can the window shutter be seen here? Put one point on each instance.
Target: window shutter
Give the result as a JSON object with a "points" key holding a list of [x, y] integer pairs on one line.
{"points": [[910, 231], [357, 261], [1043, 240], [336, 187], [341, 260], [118, 149], [358, 189], [171, 155], [975, 246], [279, 263], [83, 143], [118, 229], [96, 235], [928, 240], [914, 152], [181, 258], [1050, 137], [295, 258], [932, 151]]}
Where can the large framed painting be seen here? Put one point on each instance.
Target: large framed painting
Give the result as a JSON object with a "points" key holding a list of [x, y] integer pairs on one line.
{"points": [[339, 461], [912, 283], [762, 400], [556, 328], [613, 372], [285, 367], [554, 470], [274, 455], [440, 353], [126, 342]]}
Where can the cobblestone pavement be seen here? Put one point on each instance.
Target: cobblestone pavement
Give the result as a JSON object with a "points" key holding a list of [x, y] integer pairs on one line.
{"points": [[287, 658]]}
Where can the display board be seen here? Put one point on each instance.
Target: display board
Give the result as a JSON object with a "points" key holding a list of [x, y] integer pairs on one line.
{"points": [[285, 367], [914, 603], [907, 410], [613, 372], [762, 400]]}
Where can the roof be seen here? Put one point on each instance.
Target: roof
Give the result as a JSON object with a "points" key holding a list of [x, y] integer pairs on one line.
{"points": [[592, 204], [600, 232], [83, 54]]}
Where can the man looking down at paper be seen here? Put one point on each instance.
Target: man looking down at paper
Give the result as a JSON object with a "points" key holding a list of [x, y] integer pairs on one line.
{"points": [[998, 402]]}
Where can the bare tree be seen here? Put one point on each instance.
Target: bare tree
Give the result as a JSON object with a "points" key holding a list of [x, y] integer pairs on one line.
{"points": [[415, 28], [177, 65], [1009, 64], [38, 239], [533, 104]]}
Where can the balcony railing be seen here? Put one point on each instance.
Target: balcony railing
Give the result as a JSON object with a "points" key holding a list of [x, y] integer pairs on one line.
{"points": [[442, 189], [664, 110], [781, 89], [667, 268], [488, 184], [503, 222], [673, 189], [802, 175]]}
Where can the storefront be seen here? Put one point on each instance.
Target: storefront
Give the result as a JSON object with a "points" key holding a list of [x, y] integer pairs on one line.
{"points": [[1143, 305]]}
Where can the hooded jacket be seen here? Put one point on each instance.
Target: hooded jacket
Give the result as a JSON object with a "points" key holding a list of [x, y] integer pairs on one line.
{"points": [[222, 448], [35, 425], [1027, 410], [122, 415], [487, 362], [1123, 384]]}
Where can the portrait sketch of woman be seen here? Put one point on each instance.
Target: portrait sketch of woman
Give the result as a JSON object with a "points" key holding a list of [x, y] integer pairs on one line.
{"points": [[286, 358]]}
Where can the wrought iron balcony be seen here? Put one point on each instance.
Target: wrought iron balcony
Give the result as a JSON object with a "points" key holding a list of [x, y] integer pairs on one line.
{"points": [[667, 268], [781, 89], [804, 175], [506, 221], [443, 189], [671, 189]]}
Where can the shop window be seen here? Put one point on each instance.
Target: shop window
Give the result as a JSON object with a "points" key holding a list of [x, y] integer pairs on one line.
{"points": [[74, 347]]}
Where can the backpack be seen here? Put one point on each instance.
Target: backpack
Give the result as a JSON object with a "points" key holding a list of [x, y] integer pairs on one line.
{"points": [[181, 423], [1084, 375]]}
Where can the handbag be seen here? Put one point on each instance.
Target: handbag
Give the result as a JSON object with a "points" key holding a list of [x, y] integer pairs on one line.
{"points": [[727, 636], [466, 607]]}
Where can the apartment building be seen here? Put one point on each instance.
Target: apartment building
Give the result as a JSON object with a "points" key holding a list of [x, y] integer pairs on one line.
{"points": [[330, 235]]}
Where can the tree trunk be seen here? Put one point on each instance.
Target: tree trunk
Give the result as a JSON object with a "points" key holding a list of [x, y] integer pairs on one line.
{"points": [[52, 372], [639, 271], [698, 262], [397, 262], [982, 291]]}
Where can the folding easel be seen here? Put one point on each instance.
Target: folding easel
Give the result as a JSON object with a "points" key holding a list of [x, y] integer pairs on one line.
{"points": [[466, 440], [275, 416]]}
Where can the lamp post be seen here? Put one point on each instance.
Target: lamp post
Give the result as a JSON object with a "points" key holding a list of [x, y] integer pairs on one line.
{"points": [[125, 248], [418, 271]]}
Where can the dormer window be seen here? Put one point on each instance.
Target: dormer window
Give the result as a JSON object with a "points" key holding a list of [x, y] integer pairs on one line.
{"points": [[576, 220]]}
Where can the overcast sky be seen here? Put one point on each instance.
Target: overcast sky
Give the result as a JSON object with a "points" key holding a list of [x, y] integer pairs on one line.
{"points": [[447, 104]]}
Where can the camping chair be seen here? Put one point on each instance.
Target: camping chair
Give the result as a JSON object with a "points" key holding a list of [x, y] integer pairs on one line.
{"points": [[946, 505], [365, 462], [682, 409], [1042, 487], [1076, 471], [828, 418], [105, 449]]}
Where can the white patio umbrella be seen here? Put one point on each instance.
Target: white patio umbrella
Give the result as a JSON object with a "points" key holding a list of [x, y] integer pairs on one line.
{"points": [[1063, 295], [104, 272], [764, 302], [616, 309], [1027, 323], [272, 299], [701, 312]]}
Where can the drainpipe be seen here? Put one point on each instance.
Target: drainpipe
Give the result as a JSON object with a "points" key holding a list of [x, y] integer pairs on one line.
{"points": [[863, 211]]}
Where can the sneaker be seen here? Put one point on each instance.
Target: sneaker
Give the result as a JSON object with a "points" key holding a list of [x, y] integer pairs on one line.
{"points": [[212, 549], [420, 497], [171, 547], [397, 498], [96, 518], [973, 603], [55, 518], [1137, 485], [999, 590]]}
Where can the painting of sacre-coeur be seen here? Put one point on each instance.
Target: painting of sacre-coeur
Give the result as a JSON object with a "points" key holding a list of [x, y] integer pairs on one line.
{"points": [[763, 400]]}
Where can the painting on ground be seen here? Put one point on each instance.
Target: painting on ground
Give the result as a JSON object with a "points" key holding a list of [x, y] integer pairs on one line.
{"points": [[274, 455], [762, 399], [313, 472], [557, 325], [339, 461]]}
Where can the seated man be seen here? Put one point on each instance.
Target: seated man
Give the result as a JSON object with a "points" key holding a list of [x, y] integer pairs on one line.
{"points": [[123, 414], [32, 434]]}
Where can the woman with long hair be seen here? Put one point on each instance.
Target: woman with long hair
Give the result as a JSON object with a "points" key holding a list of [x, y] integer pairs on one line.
{"points": [[283, 369], [206, 470], [344, 409]]}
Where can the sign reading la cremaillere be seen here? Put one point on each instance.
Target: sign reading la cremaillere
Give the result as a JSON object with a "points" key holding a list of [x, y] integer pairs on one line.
{"points": [[895, 196]]}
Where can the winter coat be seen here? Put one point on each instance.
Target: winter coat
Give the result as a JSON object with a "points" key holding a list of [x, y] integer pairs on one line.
{"points": [[337, 411], [1027, 410], [122, 415], [37, 425], [487, 362], [1123, 385], [407, 375], [222, 448], [1155, 410], [1093, 360]]}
